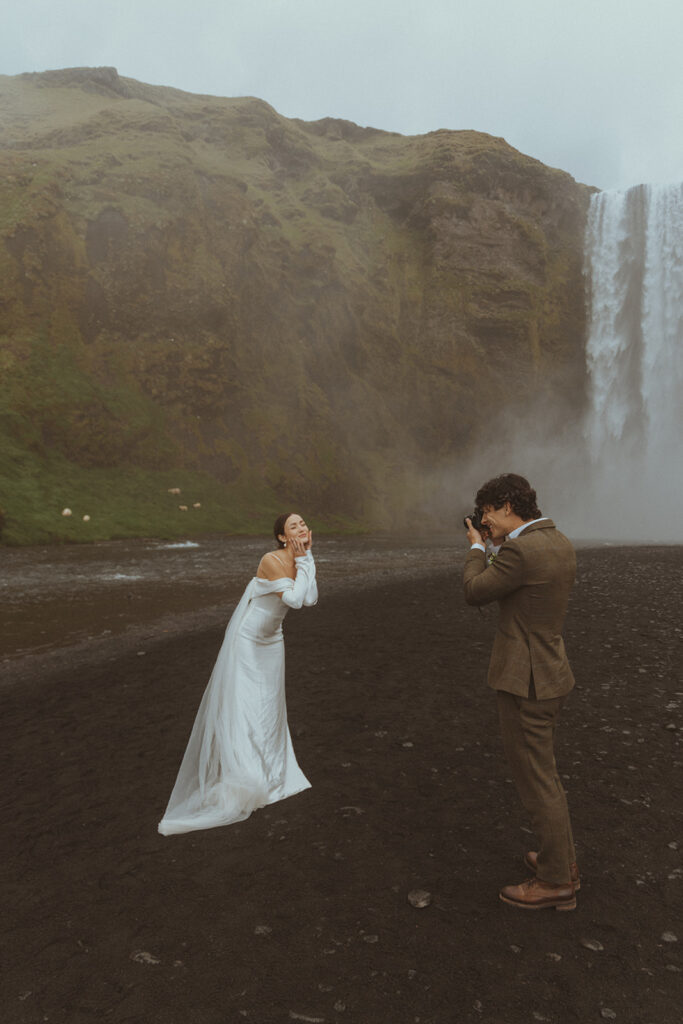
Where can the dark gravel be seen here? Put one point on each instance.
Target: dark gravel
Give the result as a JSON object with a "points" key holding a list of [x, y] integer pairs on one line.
{"points": [[302, 912]]}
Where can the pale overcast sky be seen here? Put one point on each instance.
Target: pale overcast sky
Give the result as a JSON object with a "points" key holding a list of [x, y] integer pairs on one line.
{"points": [[592, 86]]}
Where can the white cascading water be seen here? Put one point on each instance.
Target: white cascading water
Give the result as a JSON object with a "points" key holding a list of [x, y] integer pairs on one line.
{"points": [[634, 257]]}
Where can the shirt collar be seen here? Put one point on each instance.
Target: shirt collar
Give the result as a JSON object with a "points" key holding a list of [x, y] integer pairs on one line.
{"points": [[516, 532]]}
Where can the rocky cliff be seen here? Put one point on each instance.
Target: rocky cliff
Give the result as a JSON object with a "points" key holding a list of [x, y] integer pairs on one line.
{"points": [[271, 312]]}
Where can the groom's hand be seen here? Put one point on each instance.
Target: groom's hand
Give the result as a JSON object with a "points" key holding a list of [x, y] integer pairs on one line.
{"points": [[473, 536]]}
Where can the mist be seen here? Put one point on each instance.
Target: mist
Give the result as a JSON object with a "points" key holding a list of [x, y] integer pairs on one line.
{"points": [[609, 471], [631, 500]]}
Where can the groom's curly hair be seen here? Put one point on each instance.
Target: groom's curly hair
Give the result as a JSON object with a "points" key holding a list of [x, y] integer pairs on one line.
{"points": [[513, 488]]}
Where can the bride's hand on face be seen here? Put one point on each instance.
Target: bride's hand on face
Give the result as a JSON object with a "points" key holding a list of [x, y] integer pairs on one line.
{"points": [[298, 546]]}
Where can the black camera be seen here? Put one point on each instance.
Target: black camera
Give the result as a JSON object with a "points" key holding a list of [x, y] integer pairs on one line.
{"points": [[475, 519]]}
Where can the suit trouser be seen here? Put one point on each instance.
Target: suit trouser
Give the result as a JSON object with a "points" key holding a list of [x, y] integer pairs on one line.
{"points": [[528, 730]]}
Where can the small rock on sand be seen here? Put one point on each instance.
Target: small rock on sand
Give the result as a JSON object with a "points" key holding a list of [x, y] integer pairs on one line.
{"points": [[419, 898], [592, 944]]}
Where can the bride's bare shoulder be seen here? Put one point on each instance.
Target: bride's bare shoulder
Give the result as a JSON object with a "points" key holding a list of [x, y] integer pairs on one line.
{"points": [[270, 567]]}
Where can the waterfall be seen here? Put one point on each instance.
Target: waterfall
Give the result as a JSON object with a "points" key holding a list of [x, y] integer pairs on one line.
{"points": [[613, 471], [634, 255], [633, 428]]}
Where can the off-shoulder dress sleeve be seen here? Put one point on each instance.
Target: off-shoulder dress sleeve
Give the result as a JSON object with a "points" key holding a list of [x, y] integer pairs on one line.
{"points": [[304, 591]]}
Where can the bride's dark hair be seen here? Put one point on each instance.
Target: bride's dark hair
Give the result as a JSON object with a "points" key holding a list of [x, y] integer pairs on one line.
{"points": [[279, 527]]}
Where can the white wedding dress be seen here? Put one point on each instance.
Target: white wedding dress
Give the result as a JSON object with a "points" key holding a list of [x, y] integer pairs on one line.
{"points": [[240, 755]]}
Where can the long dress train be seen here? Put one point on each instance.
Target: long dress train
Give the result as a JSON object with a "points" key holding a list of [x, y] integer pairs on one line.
{"points": [[240, 755]]}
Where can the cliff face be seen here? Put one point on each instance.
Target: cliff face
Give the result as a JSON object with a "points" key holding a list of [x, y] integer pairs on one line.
{"points": [[301, 313]]}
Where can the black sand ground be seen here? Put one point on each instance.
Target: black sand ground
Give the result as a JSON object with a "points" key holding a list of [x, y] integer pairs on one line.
{"points": [[302, 912]]}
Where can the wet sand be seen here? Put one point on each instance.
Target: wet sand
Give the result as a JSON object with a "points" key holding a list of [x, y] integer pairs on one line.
{"points": [[302, 912]]}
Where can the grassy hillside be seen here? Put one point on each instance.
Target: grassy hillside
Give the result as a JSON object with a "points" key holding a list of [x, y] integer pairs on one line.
{"points": [[198, 292]]}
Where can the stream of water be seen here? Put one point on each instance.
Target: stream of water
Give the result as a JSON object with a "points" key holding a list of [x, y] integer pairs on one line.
{"points": [[57, 596]]}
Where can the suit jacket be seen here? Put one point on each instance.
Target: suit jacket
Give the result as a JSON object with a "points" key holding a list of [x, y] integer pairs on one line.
{"points": [[531, 579]]}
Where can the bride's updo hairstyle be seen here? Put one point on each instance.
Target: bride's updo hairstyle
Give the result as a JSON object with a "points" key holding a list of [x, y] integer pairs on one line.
{"points": [[515, 489], [279, 527]]}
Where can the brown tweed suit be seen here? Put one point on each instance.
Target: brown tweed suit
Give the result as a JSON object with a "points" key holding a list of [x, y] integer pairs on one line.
{"points": [[531, 579]]}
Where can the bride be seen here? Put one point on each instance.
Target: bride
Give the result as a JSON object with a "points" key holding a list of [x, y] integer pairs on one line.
{"points": [[240, 755]]}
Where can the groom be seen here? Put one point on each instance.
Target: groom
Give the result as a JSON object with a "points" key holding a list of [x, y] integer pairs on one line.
{"points": [[530, 579]]}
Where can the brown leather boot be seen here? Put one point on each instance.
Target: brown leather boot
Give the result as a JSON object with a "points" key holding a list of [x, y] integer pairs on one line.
{"points": [[531, 861], [536, 895]]}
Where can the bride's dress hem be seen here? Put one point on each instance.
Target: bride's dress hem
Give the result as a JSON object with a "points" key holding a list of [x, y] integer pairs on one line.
{"points": [[180, 826]]}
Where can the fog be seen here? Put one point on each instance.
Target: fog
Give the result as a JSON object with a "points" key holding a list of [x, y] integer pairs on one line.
{"points": [[611, 469], [634, 499], [594, 89]]}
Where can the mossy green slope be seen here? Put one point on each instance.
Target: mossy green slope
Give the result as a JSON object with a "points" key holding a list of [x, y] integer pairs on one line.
{"points": [[272, 311]]}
